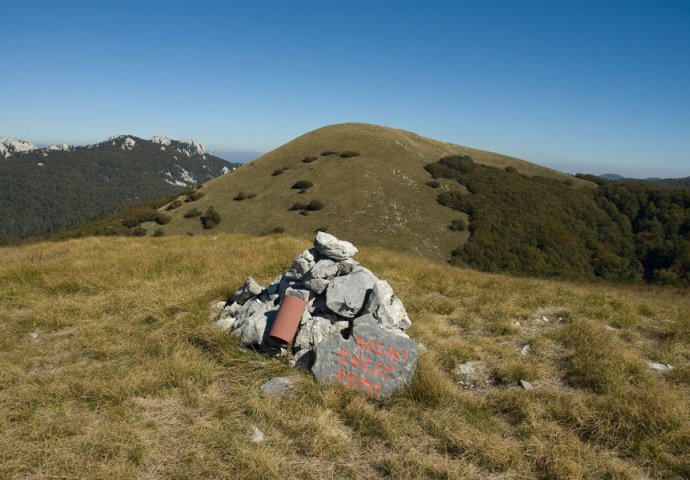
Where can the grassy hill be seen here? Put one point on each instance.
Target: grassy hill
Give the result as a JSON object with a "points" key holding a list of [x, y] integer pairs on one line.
{"points": [[379, 197], [46, 191], [110, 368]]}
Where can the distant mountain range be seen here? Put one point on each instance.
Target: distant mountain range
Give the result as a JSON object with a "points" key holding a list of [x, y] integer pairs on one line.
{"points": [[43, 190], [664, 182]]}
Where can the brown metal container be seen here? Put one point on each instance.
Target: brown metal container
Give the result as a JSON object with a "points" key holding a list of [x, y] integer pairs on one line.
{"points": [[287, 320]]}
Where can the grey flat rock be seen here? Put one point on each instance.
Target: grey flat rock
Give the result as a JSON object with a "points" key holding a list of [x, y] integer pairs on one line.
{"points": [[249, 290], [526, 385], [280, 385], [387, 307], [346, 295], [371, 360], [253, 321]]}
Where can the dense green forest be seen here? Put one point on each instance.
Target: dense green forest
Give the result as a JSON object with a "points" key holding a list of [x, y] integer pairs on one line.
{"points": [[44, 192], [621, 231]]}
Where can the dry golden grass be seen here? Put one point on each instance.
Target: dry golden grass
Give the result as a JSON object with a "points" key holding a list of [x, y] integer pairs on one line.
{"points": [[110, 368]]}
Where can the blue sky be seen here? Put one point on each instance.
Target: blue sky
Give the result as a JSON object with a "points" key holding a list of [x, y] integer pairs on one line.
{"points": [[593, 86]]}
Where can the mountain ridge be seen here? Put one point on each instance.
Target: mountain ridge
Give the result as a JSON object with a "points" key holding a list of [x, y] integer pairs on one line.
{"points": [[43, 190]]}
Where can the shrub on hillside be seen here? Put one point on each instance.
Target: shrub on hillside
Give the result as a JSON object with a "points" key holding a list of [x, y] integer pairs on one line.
{"points": [[275, 173], [309, 159], [459, 163], [329, 153], [161, 219], [350, 154], [314, 205], [138, 232], [173, 205], [302, 185], [193, 213], [243, 196], [210, 219], [510, 169], [158, 232], [433, 183], [193, 196], [457, 225]]}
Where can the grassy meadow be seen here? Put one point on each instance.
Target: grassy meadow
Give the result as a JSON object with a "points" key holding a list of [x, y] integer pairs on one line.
{"points": [[111, 368]]}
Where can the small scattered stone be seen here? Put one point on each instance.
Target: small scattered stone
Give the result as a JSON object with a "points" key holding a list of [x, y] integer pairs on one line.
{"points": [[526, 350], [331, 247], [280, 385], [34, 336], [525, 385], [660, 367], [257, 435], [466, 368]]}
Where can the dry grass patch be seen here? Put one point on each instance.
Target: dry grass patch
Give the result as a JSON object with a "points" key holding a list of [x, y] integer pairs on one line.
{"points": [[109, 367]]}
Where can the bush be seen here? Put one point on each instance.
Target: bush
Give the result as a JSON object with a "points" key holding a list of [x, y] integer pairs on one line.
{"points": [[174, 205], [321, 229], [328, 153], [243, 196], [433, 183], [297, 206], [277, 230], [302, 185], [161, 219], [511, 169], [350, 154], [193, 196], [314, 205], [138, 232], [210, 219], [193, 213], [457, 225], [460, 163], [309, 159], [304, 213], [277, 172], [159, 232]]}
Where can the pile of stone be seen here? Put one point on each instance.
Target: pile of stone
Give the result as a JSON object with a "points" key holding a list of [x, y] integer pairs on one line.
{"points": [[352, 330]]}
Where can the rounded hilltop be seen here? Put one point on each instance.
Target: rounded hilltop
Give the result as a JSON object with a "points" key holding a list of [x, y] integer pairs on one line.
{"points": [[364, 182]]}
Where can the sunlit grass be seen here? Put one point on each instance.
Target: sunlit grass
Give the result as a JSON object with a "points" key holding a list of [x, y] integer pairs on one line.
{"points": [[110, 368]]}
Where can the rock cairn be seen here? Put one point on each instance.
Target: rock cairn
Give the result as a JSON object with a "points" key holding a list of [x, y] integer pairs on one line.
{"points": [[352, 330]]}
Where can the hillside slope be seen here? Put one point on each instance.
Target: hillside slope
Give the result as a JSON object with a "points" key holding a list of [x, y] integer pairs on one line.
{"points": [[111, 368], [49, 189], [377, 198]]}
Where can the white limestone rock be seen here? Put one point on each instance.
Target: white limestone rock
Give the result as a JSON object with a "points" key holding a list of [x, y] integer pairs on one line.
{"points": [[252, 321], [315, 330], [320, 275], [10, 146], [249, 290], [302, 264], [387, 307], [330, 247], [346, 295]]}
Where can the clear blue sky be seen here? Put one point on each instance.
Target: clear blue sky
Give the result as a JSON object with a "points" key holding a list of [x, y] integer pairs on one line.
{"points": [[592, 86]]}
